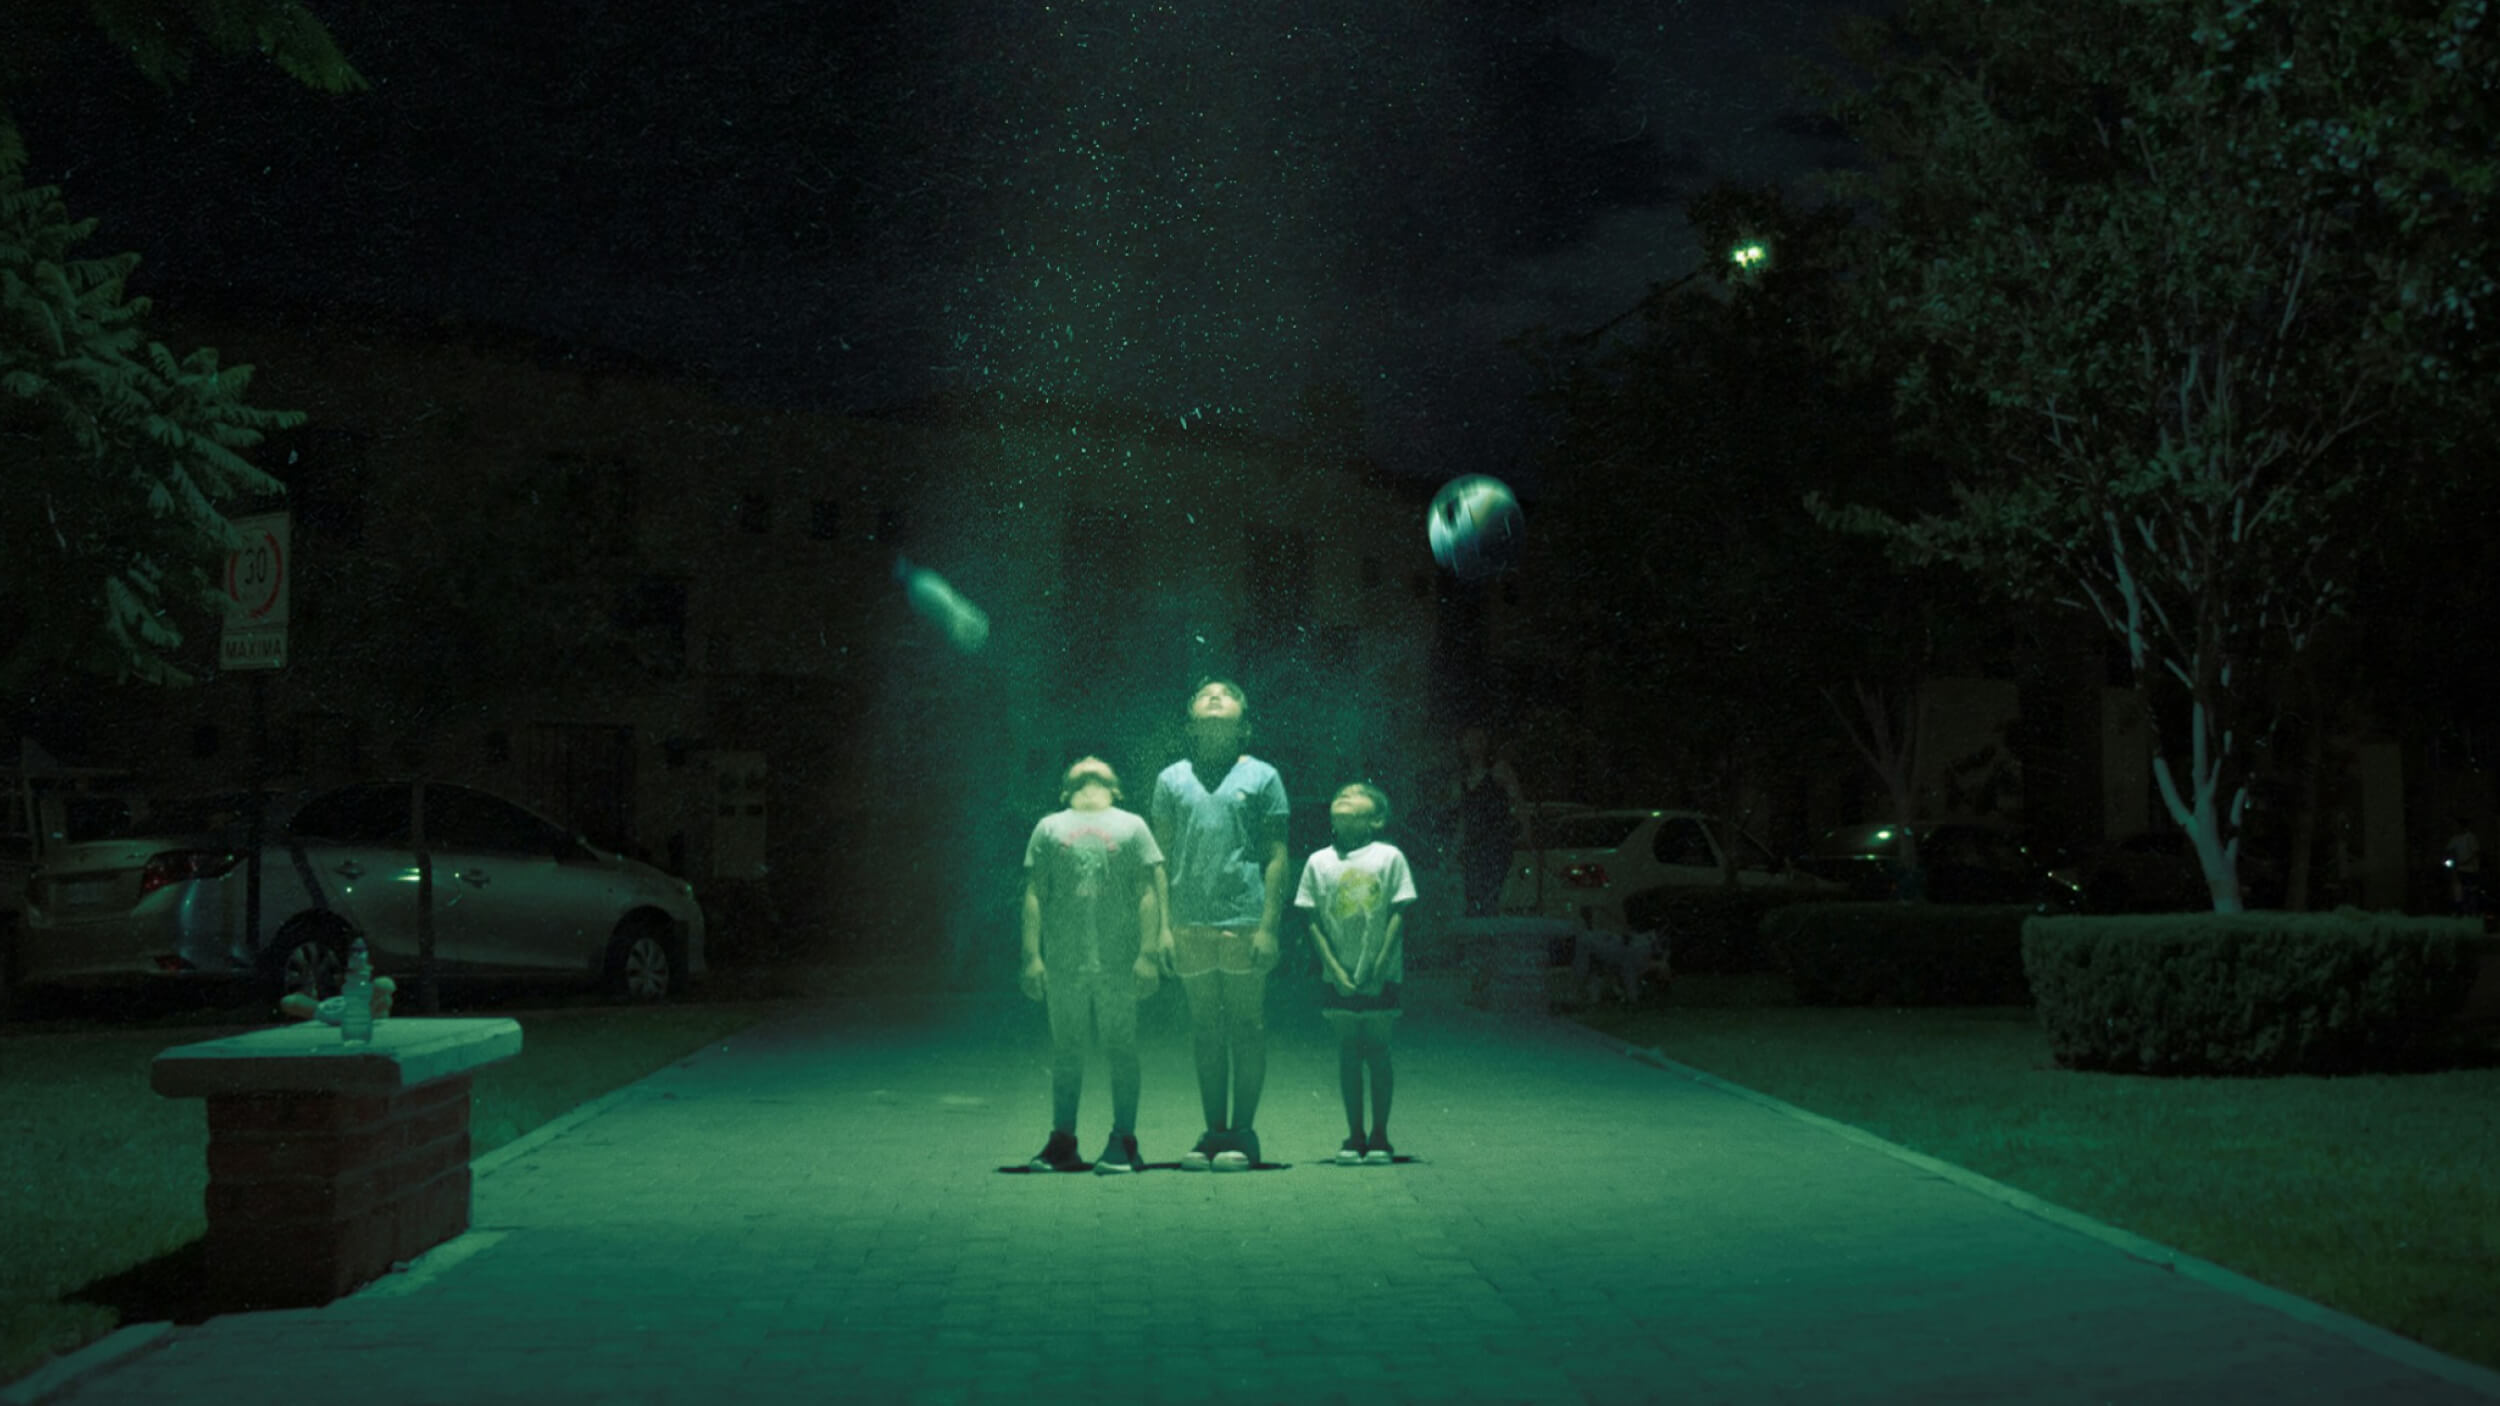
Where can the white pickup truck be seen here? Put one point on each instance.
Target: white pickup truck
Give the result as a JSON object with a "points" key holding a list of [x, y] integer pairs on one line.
{"points": [[1593, 860]]}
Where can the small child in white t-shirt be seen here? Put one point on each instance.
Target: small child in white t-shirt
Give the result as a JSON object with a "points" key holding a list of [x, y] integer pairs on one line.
{"points": [[1357, 892]]}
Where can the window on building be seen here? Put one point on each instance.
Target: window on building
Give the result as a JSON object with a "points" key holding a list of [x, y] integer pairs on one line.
{"points": [[652, 613], [1372, 572], [754, 513], [824, 520], [598, 497]]}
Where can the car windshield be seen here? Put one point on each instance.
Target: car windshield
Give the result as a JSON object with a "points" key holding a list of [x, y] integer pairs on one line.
{"points": [[1591, 831]]}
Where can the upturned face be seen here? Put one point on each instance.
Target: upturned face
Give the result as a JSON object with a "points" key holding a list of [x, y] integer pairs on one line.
{"points": [[1215, 718], [1353, 820], [1215, 703], [1094, 784]]}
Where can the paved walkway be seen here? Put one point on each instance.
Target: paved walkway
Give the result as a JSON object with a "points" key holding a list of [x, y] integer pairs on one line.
{"points": [[811, 1212]]}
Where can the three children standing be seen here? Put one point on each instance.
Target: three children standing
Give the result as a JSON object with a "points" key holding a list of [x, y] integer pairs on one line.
{"points": [[1198, 887]]}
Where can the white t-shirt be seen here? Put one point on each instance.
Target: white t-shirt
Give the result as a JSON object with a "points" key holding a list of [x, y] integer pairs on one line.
{"points": [[1351, 898], [1090, 868]]}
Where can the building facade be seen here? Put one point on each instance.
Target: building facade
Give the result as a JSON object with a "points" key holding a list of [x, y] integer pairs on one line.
{"points": [[678, 623]]}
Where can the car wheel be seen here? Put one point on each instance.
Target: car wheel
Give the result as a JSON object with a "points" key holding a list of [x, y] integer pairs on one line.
{"points": [[310, 957], [642, 965]]}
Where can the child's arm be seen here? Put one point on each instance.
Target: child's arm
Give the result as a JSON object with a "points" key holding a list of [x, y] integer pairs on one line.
{"points": [[1032, 979], [1391, 939], [1162, 940], [1149, 965], [1328, 963]]}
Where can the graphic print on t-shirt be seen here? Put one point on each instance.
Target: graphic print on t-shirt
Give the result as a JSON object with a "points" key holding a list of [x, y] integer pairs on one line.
{"points": [[1358, 893]]}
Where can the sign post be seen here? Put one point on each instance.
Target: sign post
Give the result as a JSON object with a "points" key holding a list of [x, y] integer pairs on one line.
{"points": [[257, 576], [255, 639]]}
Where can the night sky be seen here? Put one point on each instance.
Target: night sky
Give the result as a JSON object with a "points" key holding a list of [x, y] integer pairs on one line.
{"points": [[839, 205]]}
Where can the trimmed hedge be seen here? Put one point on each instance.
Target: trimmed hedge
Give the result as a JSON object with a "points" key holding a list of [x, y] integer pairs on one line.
{"points": [[1900, 954], [1712, 929], [2250, 993]]}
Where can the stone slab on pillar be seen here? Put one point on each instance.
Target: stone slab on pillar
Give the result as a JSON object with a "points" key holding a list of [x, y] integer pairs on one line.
{"points": [[330, 1162]]}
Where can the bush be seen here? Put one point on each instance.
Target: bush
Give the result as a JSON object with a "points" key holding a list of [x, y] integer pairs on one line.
{"points": [[1715, 929], [2250, 993], [1899, 954]]}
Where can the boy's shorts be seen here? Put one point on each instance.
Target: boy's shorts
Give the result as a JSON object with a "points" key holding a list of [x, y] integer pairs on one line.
{"points": [[1197, 951], [1382, 1002]]}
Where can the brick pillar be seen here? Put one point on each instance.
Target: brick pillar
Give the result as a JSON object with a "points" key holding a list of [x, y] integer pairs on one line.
{"points": [[313, 1194]]}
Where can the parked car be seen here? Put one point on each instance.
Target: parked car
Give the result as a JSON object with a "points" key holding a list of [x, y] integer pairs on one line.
{"points": [[1959, 861], [2158, 872], [512, 892], [1592, 860], [46, 806]]}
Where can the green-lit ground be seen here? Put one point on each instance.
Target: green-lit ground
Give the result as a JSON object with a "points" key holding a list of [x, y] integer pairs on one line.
{"points": [[2374, 1194], [104, 1178]]}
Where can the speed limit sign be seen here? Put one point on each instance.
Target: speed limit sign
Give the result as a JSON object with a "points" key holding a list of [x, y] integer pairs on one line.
{"points": [[256, 583]]}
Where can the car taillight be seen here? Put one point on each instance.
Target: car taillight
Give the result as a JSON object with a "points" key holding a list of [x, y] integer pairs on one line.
{"points": [[176, 866], [1585, 876]]}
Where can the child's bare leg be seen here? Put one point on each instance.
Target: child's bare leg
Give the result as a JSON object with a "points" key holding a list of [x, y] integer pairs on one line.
{"points": [[1384, 1077], [1067, 1001], [1207, 1030], [1245, 1025], [1350, 1068], [1116, 1013]]}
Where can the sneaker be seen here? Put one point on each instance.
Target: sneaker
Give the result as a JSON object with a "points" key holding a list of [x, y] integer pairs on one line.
{"points": [[1378, 1153], [1240, 1153], [1058, 1155], [1350, 1152], [1118, 1155], [1201, 1157]]}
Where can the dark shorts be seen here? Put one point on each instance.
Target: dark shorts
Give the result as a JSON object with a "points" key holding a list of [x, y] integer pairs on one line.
{"points": [[1331, 999]]}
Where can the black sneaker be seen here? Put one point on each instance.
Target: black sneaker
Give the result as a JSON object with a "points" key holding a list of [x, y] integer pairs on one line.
{"points": [[1350, 1152], [1378, 1153], [1241, 1152], [1118, 1155], [1058, 1155], [1201, 1157]]}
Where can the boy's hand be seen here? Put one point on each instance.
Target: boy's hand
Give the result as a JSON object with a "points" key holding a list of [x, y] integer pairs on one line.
{"points": [[1263, 950], [1166, 950], [1338, 978], [1149, 975], [1035, 981]]}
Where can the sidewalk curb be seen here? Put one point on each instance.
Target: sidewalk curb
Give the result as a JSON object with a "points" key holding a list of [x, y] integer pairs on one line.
{"points": [[2385, 1343], [61, 1373]]}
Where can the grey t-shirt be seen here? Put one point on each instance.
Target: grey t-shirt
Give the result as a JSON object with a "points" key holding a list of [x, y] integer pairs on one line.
{"points": [[1090, 868], [1219, 841]]}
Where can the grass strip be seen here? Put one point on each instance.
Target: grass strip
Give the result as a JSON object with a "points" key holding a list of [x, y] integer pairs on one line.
{"points": [[2370, 1194], [102, 1176]]}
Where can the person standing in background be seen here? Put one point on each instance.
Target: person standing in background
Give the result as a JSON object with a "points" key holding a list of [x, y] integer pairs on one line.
{"points": [[1489, 806]]}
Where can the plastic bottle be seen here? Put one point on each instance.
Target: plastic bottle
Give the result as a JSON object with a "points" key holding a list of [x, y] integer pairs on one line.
{"points": [[356, 997]]}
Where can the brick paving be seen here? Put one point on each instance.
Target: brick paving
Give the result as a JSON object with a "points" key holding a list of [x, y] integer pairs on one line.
{"points": [[811, 1212]]}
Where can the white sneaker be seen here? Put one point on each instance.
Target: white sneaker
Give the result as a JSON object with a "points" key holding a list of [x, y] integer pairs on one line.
{"points": [[1241, 1152], [1198, 1159]]}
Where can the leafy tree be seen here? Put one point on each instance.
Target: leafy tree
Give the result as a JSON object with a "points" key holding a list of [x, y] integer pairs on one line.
{"points": [[127, 453], [2181, 290]]}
